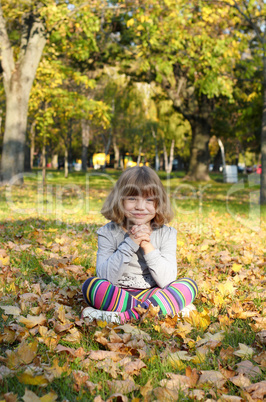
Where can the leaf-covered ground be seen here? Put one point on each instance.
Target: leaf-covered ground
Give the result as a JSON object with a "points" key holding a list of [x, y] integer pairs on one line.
{"points": [[49, 354]]}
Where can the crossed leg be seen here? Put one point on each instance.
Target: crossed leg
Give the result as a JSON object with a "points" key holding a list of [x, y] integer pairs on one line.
{"points": [[103, 295]]}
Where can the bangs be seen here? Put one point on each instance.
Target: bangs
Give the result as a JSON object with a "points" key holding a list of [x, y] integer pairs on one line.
{"points": [[141, 185]]}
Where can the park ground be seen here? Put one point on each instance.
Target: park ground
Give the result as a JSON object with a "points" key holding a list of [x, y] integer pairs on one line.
{"points": [[48, 246]]}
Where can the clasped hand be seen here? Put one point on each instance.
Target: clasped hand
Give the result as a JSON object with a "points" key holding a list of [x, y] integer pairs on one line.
{"points": [[140, 234]]}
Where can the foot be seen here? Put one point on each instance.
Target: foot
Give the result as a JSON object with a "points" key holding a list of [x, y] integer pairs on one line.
{"points": [[91, 313], [108, 316], [186, 310]]}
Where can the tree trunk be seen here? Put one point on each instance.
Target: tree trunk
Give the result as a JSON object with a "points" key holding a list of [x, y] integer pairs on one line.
{"points": [[169, 163], [32, 143], [43, 164], [139, 155], [18, 79], [66, 162], [199, 156], [263, 139], [27, 167], [85, 128], [157, 161], [117, 153]]}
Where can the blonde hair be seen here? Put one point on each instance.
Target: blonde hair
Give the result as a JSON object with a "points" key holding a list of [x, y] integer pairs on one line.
{"points": [[138, 181]]}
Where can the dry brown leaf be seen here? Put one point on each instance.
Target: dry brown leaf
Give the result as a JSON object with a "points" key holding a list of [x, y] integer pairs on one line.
{"points": [[30, 396], [48, 337], [240, 381], [8, 336], [31, 321], [123, 387], [80, 379], [260, 324], [212, 377], [134, 367], [104, 354], [130, 329], [56, 371], [257, 390], [80, 352], [261, 359], [10, 397], [11, 310], [226, 354], [230, 398], [163, 394], [193, 376], [108, 366], [177, 382], [247, 368], [22, 355], [74, 336], [261, 337], [146, 389]]}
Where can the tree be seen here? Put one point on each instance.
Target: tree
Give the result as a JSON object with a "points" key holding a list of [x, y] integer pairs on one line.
{"points": [[189, 49], [253, 15], [33, 22]]}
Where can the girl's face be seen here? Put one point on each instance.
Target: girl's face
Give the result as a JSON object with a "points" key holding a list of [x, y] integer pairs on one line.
{"points": [[139, 210]]}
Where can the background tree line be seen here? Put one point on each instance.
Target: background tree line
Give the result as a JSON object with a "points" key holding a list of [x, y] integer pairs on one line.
{"points": [[160, 77]]}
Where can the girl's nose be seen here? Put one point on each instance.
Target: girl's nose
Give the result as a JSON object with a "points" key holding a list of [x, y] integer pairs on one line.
{"points": [[140, 203]]}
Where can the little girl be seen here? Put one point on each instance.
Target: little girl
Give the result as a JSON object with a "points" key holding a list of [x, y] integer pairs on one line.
{"points": [[136, 258]]}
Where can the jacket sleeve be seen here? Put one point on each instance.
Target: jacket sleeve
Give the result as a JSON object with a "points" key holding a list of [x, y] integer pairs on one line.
{"points": [[112, 260], [162, 261]]}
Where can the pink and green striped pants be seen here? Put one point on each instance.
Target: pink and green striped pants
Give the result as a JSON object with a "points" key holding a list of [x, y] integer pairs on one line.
{"points": [[103, 295]]}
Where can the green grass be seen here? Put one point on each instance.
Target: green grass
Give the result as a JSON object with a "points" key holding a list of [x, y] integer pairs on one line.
{"points": [[60, 221]]}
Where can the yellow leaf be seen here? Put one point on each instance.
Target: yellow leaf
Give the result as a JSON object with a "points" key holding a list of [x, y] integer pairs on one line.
{"points": [[130, 22], [31, 321], [180, 243], [51, 397], [199, 320], [204, 247], [24, 354], [29, 379], [226, 288], [4, 261], [236, 267]]}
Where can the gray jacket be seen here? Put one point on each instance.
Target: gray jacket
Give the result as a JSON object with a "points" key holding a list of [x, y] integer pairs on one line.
{"points": [[122, 262]]}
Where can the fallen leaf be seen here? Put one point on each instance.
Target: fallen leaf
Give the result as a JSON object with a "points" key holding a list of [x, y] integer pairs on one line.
{"points": [[240, 380], [104, 354], [130, 329], [123, 387], [230, 398], [73, 336], [23, 355], [11, 310], [134, 367], [261, 359], [29, 378], [10, 397], [244, 351], [212, 377], [31, 321], [247, 368], [176, 382], [257, 390]]}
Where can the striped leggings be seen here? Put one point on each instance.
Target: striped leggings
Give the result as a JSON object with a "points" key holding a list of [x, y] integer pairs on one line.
{"points": [[102, 295]]}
